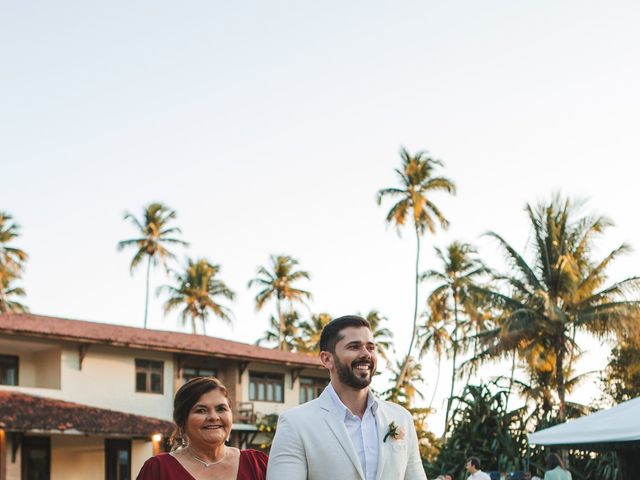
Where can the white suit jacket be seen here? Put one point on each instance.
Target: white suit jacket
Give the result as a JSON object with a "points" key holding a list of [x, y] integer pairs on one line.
{"points": [[312, 442]]}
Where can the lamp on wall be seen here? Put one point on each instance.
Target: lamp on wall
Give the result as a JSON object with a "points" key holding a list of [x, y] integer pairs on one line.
{"points": [[156, 442]]}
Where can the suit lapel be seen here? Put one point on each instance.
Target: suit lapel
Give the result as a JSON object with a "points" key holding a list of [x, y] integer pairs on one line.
{"points": [[336, 424], [383, 425]]}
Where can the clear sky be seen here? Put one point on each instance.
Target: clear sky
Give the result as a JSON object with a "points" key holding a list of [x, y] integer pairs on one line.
{"points": [[269, 127]]}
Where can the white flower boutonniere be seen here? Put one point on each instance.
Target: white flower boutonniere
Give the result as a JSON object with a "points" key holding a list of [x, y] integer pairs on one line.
{"points": [[395, 432]]}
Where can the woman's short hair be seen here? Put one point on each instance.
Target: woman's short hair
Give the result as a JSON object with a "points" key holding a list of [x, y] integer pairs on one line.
{"points": [[186, 397], [553, 460]]}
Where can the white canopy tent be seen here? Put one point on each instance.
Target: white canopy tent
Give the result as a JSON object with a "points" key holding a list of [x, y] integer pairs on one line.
{"points": [[617, 429], [615, 425]]}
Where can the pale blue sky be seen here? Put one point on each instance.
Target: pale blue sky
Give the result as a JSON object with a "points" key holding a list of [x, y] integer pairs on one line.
{"points": [[269, 126]]}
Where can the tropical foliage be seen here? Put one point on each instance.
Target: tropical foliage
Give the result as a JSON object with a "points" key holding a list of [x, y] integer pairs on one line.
{"points": [[195, 292], [277, 282], [564, 291], [310, 331], [482, 426], [154, 236], [413, 204], [408, 389], [291, 335], [453, 307], [12, 260], [621, 378]]}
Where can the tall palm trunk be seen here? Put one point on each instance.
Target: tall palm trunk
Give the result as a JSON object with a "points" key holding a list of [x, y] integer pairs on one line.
{"points": [[513, 371], [561, 395], [3, 301], [454, 341], [560, 383], [435, 385], [403, 372], [280, 325], [146, 295]]}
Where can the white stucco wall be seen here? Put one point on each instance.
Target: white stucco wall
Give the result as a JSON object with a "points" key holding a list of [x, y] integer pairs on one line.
{"points": [[38, 364], [76, 457], [107, 380], [141, 450], [47, 365], [12, 470]]}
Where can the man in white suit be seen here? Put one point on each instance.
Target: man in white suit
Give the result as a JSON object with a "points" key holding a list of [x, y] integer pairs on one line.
{"points": [[346, 433]]}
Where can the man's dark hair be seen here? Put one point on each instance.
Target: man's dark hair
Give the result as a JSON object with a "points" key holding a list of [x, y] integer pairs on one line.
{"points": [[475, 461], [331, 332]]}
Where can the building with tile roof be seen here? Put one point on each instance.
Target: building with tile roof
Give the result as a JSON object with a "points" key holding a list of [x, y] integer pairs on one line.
{"points": [[83, 400]]}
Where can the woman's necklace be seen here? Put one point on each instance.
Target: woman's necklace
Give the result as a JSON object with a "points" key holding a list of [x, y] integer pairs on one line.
{"points": [[206, 464]]}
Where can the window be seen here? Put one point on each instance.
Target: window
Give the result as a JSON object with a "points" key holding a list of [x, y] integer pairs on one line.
{"points": [[266, 387], [311, 388], [8, 370], [192, 372], [149, 375]]}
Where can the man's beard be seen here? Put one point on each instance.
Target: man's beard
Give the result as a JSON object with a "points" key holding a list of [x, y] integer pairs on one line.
{"points": [[347, 376]]}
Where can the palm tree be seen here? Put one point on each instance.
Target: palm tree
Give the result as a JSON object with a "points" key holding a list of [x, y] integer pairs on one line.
{"points": [[292, 339], [562, 292], [405, 393], [12, 258], [451, 298], [434, 336], [310, 332], [196, 291], [8, 291], [382, 336], [414, 200], [155, 234], [11, 266], [278, 283]]}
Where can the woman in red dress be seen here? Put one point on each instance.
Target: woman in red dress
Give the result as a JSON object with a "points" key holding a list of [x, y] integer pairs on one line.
{"points": [[203, 420]]}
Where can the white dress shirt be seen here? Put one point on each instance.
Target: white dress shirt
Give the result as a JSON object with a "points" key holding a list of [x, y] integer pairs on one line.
{"points": [[362, 432]]}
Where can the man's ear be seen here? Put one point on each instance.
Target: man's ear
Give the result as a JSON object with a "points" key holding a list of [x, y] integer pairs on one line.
{"points": [[327, 359]]}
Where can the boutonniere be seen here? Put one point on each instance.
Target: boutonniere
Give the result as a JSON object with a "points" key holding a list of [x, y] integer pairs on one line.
{"points": [[395, 432]]}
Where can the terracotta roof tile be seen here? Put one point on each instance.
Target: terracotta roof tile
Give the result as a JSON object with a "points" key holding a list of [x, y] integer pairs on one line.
{"points": [[22, 413], [103, 333]]}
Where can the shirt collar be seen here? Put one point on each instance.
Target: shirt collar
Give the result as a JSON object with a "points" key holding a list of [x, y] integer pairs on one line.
{"points": [[372, 402]]}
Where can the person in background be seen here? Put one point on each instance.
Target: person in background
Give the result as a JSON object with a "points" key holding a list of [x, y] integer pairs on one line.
{"points": [[202, 414], [473, 467], [555, 468]]}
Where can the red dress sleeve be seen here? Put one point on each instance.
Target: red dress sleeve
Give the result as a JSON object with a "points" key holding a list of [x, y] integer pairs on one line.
{"points": [[253, 465], [163, 467]]}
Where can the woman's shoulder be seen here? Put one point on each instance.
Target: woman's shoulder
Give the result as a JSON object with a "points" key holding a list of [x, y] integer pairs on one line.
{"points": [[253, 464], [251, 453], [160, 459], [161, 466]]}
